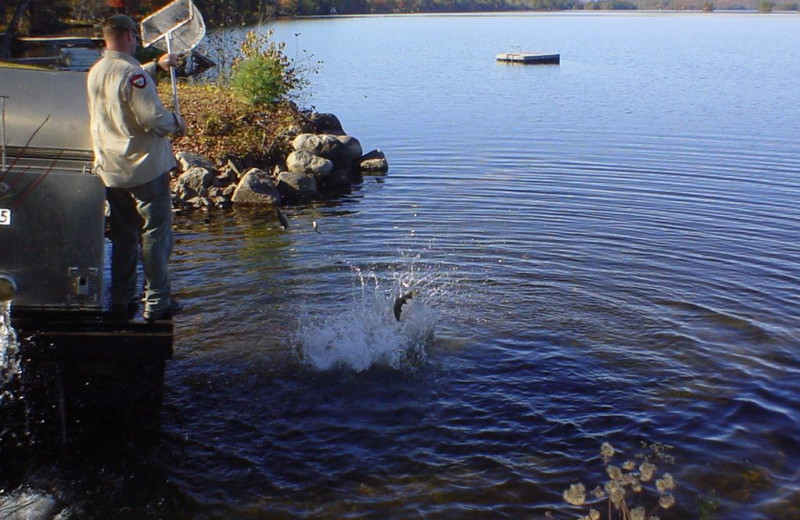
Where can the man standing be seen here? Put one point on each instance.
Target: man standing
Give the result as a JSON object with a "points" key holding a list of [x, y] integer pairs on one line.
{"points": [[133, 156]]}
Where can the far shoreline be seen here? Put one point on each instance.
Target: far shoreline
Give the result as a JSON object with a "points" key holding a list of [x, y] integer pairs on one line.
{"points": [[504, 14], [484, 14], [72, 25]]}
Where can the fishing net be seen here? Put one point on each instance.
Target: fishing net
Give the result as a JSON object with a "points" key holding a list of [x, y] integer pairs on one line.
{"points": [[177, 28]]}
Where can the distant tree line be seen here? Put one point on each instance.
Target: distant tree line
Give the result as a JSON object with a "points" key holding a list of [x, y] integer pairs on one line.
{"points": [[53, 16]]}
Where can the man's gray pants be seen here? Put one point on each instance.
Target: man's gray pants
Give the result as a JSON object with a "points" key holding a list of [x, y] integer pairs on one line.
{"points": [[141, 217]]}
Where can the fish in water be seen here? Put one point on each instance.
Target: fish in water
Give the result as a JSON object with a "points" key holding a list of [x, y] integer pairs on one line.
{"points": [[282, 218], [400, 301], [315, 226]]}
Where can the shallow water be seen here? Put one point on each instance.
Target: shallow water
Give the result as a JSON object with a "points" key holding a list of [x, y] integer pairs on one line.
{"points": [[603, 250]]}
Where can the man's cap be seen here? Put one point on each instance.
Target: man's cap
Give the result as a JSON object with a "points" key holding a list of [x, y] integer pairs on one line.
{"points": [[121, 21]]}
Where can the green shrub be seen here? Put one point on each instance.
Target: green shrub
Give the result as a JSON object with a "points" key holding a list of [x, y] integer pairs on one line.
{"points": [[262, 73], [259, 80]]}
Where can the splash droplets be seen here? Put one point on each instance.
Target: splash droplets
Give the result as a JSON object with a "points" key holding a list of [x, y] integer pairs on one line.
{"points": [[9, 364], [367, 334]]}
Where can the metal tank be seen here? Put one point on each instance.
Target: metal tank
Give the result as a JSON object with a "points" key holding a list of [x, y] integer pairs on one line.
{"points": [[52, 207], [85, 374]]}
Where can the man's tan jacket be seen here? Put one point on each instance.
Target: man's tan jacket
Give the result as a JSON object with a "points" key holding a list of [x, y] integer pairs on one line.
{"points": [[129, 124]]}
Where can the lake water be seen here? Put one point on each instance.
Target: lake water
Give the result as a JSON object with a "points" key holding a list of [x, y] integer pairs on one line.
{"points": [[603, 251]]}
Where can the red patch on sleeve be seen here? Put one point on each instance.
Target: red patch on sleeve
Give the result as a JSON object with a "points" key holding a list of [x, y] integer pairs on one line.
{"points": [[139, 81]]}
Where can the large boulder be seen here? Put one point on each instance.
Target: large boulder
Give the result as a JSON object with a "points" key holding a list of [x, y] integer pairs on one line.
{"points": [[325, 146], [299, 142], [353, 146], [189, 160], [374, 162], [297, 186], [193, 182], [228, 174], [327, 124], [337, 181], [301, 161], [256, 188]]}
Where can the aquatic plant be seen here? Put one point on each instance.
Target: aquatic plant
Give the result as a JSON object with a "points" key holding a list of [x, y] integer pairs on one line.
{"points": [[633, 491], [707, 505]]}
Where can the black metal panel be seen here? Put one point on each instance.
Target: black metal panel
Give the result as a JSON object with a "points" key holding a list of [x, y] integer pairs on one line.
{"points": [[88, 376], [52, 237], [72, 336]]}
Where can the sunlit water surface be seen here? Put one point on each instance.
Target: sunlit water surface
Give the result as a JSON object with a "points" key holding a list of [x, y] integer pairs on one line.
{"points": [[604, 250]]}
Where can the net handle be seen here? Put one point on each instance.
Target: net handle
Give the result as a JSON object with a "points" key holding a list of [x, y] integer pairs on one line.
{"points": [[175, 105]]}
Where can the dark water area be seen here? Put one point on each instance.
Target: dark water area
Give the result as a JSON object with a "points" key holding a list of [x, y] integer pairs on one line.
{"points": [[603, 251]]}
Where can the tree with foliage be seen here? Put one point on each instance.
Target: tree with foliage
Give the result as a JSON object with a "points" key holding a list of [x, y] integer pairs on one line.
{"points": [[13, 28], [263, 74], [259, 75]]}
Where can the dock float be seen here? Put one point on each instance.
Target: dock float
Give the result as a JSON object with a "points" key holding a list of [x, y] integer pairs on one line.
{"points": [[529, 59]]}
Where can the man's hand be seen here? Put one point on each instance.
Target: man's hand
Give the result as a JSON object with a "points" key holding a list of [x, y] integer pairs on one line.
{"points": [[169, 60], [181, 125]]}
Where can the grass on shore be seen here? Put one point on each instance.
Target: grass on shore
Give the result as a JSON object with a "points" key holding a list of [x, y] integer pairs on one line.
{"points": [[223, 126]]}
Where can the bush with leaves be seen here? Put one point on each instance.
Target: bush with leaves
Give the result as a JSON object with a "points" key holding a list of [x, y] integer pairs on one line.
{"points": [[263, 73], [259, 80]]}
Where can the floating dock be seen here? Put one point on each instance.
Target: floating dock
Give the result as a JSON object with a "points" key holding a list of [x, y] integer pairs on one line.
{"points": [[529, 59]]}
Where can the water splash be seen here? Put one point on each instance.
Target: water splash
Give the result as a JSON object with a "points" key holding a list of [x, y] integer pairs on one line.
{"points": [[366, 333], [12, 410], [9, 354], [26, 504]]}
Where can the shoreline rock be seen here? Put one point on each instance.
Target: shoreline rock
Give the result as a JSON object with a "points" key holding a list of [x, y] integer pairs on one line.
{"points": [[295, 187], [257, 187], [301, 161], [374, 162], [312, 165]]}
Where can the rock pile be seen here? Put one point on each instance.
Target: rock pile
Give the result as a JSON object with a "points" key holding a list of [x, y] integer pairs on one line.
{"points": [[323, 161]]}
